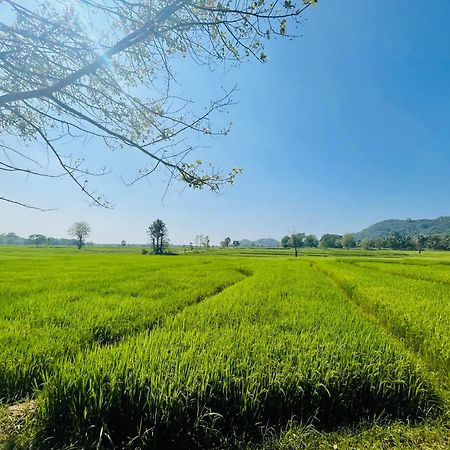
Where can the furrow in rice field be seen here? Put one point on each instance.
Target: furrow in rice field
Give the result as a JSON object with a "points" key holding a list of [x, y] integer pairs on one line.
{"points": [[416, 311]]}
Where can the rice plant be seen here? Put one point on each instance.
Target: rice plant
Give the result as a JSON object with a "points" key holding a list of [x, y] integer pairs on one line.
{"points": [[283, 343], [54, 307]]}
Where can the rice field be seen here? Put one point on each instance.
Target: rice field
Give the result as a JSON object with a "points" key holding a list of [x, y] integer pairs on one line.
{"points": [[239, 349]]}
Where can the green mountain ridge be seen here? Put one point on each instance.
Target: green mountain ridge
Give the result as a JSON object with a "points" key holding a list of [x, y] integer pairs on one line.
{"points": [[264, 242], [408, 227]]}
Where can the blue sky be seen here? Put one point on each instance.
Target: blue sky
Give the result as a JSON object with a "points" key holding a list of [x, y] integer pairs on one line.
{"points": [[344, 126]]}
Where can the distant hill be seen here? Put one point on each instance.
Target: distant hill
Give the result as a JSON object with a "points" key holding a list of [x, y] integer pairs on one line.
{"points": [[408, 227], [265, 242]]}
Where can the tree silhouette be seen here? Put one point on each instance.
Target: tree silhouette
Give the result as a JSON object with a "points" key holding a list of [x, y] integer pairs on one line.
{"points": [[80, 231], [158, 235]]}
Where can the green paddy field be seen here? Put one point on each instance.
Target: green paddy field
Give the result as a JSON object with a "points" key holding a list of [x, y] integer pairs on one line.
{"points": [[244, 349]]}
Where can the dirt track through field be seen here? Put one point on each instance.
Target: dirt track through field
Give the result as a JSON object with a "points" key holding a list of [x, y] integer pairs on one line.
{"points": [[13, 418]]}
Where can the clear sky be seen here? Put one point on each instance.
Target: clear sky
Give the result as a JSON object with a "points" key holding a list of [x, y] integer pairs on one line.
{"points": [[347, 125]]}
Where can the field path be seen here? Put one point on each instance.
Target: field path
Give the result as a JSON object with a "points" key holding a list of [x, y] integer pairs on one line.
{"points": [[201, 298], [12, 420]]}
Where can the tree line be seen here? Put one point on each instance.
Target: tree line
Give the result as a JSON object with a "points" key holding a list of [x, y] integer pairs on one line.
{"points": [[393, 241], [35, 239], [158, 234], [397, 241]]}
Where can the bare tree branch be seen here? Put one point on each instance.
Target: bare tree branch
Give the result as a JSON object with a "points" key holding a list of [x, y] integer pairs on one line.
{"points": [[15, 202], [101, 71]]}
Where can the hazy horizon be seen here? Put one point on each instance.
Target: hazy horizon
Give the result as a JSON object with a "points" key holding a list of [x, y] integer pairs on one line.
{"points": [[213, 242]]}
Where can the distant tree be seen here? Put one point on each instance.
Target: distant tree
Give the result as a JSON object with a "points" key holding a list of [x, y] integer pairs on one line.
{"points": [[285, 241], [80, 231], [123, 244], [330, 241], [434, 242], [199, 240], [366, 244], [420, 242], [158, 235], [348, 241], [37, 239], [379, 242], [439, 242], [226, 242], [12, 239], [409, 243], [236, 244], [398, 241], [395, 241], [311, 241], [446, 242], [296, 241]]}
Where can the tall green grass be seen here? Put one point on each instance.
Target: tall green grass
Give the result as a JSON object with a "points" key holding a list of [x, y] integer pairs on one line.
{"points": [[53, 305], [411, 301], [122, 349], [283, 343], [438, 272]]}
